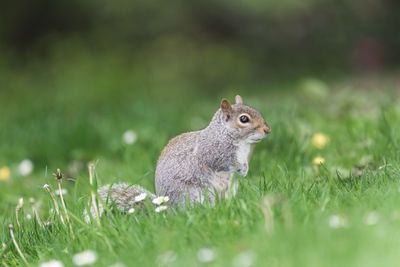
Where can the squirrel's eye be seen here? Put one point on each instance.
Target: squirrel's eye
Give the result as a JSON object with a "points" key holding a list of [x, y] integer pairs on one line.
{"points": [[244, 119]]}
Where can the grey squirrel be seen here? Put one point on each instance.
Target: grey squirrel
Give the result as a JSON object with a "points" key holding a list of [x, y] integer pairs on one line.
{"points": [[200, 164]]}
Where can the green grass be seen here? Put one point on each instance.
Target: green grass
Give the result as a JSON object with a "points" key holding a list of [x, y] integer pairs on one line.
{"points": [[77, 115]]}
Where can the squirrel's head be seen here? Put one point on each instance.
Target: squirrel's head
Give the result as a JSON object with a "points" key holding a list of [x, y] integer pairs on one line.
{"points": [[246, 122]]}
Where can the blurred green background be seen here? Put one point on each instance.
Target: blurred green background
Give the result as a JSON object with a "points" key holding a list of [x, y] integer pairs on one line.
{"points": [[70, 70], [76, 75]]}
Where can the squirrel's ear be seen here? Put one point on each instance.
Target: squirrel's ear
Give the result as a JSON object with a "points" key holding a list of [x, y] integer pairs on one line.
{"points": [[226, 109], [238, 99], [225, 105]]}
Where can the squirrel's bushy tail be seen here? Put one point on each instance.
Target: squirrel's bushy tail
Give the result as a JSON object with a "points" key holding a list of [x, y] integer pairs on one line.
{"points": [[122, 196]]}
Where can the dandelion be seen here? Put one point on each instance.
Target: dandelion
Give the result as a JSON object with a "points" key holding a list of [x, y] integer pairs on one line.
{"points": [[28, 216], [11, 228], [93, 194], [337, 221], [5, 173], [25, 167], [62, 192], [84, 258], [371, 218], [318, 161], [160, 200], [48, 189], [18, 209], [206, 255], [319, 140], [131, 210], [129, 137], [52, 263], [244, 259], [140, 197], [161, 208]]}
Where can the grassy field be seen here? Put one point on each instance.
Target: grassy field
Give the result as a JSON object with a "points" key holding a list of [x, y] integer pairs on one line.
{"points": [[288, 211]]}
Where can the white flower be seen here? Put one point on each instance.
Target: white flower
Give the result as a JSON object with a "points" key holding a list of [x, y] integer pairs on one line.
{"points": [[206, 255], [85, 257], [371, 218], [160, 200], [25, 167], [131, 210], [52, 263], [161, 208], [337, 221], [118, 264], [166, 258], [140, 197], [129, 137], [28, 216], [244, 259], [63, 191]]}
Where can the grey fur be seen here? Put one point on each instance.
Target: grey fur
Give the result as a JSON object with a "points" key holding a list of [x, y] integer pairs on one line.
{"points": [[203, 162]]}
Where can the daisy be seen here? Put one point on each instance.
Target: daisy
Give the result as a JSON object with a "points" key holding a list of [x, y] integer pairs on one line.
{"points": [[140, 197], [52, 263], [85, 257], [160, 200], [161, 208], [337, 221], [371, 218], [25, 167], [129, 137], [206, 255]]}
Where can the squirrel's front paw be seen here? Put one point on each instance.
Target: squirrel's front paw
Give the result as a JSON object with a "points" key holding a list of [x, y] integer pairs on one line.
{"points": [[242, 169]]}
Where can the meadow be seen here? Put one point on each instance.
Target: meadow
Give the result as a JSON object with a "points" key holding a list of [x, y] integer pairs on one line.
{"points": [[290, 210]]}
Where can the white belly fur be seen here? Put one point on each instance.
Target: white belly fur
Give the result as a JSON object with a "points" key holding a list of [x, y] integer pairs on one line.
{"points": [[243, 152]]}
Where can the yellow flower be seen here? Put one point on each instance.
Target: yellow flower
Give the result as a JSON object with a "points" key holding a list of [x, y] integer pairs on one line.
{"points": [[319, 140], [318, 161], [5, 173]]}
